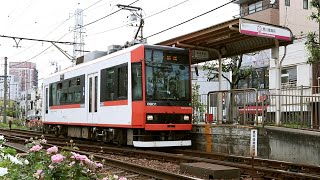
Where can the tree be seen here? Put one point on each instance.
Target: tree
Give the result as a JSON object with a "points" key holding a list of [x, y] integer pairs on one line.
{"points": [[198, 107], [233, 65], [312, 43]]}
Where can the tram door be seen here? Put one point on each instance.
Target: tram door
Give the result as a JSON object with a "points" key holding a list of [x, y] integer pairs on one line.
{"points": [[92, 97]]}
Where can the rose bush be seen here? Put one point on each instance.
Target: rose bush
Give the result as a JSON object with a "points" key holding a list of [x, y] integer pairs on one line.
{"points": [[49, 164]]}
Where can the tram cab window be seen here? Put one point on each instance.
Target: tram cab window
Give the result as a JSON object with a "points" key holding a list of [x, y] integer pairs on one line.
{"points": [[114, 83], [136, 81]]}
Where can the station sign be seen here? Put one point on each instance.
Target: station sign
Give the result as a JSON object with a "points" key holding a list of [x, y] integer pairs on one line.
{"points": [[264, 30], [200, 54], [254, 142]]}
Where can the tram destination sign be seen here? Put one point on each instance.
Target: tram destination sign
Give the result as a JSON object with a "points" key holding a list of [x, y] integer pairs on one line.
{"points": [[264, 30]]}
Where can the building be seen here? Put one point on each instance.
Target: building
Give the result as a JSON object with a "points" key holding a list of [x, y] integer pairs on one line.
{"points": [[30, 103], [13, 88], [294, 15], [298, 78], [27, 72]]}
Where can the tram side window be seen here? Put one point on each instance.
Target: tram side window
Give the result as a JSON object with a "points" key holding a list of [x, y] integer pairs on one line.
{"points": [[114, 83], [110, 83], [53, 94], [136, 81], [122, 82], [68, 91]]}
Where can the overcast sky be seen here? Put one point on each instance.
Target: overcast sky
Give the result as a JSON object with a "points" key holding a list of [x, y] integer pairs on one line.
{"points": [[52, 20]]}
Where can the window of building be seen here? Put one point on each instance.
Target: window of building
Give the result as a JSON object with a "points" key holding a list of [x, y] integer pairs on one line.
{"points": [[259, 79], [287, 2], [289, 77], [255, 7], [305, 4]]}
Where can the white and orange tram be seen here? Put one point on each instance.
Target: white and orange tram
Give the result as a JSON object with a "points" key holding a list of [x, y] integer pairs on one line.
{"points": [[138, 96]]}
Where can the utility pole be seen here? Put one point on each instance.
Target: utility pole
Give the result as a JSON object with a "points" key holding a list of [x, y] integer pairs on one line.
{"points": [[78, 38], [26, 91], [5, 91]]}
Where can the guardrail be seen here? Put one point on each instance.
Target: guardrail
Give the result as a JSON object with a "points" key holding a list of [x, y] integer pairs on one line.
{"points": [[299, 107]]}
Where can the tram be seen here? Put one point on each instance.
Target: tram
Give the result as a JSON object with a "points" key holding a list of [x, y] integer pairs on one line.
{"points": [[138, 96]]}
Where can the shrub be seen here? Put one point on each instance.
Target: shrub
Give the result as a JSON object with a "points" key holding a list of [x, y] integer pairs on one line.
{"points": [[49, 164]]}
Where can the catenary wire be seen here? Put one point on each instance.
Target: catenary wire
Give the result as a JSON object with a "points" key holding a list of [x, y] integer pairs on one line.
{"points": [[191, 19]]}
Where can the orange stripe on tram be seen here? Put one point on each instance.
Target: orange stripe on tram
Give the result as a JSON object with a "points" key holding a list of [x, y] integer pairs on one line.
{"points": [[115, 103], [67, 106]]}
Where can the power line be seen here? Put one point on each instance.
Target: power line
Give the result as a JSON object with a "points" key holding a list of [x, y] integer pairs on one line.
{"points": [[105, 16], [191, 19], [159, 12], [166, 9], [57, 28]]}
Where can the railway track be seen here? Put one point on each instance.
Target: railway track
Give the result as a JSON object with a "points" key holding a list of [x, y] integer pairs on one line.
{"points": [[118, 167], [256, 167]]}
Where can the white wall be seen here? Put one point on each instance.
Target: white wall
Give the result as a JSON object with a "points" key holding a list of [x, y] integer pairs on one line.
{"points": [[296, 56], [206, 86]]}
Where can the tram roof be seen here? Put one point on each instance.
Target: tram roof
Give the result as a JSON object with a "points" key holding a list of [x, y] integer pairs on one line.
{"points": [[230, 38]]}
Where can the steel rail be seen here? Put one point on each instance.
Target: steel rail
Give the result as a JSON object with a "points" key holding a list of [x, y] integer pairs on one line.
{"points": [[248, 168]]}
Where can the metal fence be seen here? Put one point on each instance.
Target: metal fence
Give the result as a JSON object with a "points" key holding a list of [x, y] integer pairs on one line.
{"points": [[297, 107]]}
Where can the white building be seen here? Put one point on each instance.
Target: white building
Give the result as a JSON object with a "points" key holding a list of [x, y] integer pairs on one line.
{"points": [[13, 91], [31, 102]]}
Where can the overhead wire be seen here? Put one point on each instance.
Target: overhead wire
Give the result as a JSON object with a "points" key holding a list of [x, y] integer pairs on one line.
{"points": [[69, 33], [154, 14], [60, 24], [191, 19], [92, 22]]}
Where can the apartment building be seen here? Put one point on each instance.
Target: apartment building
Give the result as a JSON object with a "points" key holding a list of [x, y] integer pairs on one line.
{"points": [[294, 15], [28, 73]]}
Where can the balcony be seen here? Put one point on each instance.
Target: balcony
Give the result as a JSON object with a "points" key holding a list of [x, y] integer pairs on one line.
{"points": [[245, 11], [268, 13]]}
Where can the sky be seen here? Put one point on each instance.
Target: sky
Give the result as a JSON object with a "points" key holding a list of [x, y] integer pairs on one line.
{"points": [[54, 20]]}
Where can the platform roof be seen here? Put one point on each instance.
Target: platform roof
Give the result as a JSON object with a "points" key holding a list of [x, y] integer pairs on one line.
{"points": [[233, 37]]}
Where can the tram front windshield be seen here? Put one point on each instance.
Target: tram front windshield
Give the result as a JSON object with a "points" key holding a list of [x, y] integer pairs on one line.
{"points": [[167, 75]]}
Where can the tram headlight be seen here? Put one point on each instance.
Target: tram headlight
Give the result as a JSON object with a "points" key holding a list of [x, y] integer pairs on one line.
{"points": [[186, 117], [149, 117]]}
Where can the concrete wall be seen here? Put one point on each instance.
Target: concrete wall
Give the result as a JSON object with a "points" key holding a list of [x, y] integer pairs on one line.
{"points": [[276, 143], [227, 139], [294, 145]]}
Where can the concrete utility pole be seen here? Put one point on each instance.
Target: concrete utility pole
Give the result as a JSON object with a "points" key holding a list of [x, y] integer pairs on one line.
{"points": [[5, 91]]}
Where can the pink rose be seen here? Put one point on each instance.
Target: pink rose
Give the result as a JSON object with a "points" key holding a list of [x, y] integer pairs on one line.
{"points": [[35, 148], [122, 178], [78, 156], [99, 165], [87, 161], [39, 171], [58, 158], [52, 150]]}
